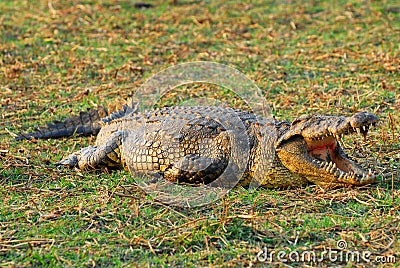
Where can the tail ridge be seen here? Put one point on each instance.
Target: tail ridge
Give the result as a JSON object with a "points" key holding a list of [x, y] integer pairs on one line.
{"points": [[84, 124]]}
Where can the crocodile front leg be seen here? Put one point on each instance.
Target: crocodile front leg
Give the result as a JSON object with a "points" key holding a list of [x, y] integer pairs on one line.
{"points": [[196, 169], [107, 155]]}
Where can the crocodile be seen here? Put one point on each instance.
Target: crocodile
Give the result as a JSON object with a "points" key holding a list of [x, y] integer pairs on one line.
{"points": [[194, 144]]}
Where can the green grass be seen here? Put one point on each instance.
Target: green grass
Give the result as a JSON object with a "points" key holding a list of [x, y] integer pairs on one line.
{"points": [[307, 58]]}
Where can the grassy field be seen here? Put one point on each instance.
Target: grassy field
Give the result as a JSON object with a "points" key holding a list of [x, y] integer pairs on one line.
{"points": [[61, 57]]}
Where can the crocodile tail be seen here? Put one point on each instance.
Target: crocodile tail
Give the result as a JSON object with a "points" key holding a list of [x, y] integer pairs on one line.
{"points": [[84, 124], [130, 108]]}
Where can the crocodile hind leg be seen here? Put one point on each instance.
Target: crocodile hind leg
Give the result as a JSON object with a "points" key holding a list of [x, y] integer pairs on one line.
{"points": [[194, 169], [107, 155]]}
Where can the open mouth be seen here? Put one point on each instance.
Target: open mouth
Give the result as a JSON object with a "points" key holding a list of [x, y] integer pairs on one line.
{"points": [[310, 147], [327, 154]]}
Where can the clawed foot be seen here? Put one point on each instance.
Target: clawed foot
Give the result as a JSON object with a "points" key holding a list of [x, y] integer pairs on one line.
{"points": [[78, 159], [69, 162]]}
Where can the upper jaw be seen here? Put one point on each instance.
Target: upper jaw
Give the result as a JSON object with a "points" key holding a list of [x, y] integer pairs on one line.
{"points": [[320, 127]]}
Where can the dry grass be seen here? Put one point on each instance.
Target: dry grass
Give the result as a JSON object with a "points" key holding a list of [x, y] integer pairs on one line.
{"points": [[58, 57]]}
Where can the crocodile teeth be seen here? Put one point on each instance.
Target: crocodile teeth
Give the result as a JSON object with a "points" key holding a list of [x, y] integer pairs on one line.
{"points": [[330, 167], [333, 167]]}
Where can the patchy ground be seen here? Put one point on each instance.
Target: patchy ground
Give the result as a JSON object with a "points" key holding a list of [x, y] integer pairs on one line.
{"points": [[61, 57]]}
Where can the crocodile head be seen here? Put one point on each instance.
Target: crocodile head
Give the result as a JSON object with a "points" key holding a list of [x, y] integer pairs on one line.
{"points": [[310, 148]]}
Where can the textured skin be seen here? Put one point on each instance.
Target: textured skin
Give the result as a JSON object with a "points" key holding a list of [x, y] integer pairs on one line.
{"points": [[86, 123], [195, 144]]}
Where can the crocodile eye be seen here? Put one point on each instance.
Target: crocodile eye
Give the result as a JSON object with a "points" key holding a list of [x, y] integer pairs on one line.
{"points": [[300, 119]]}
